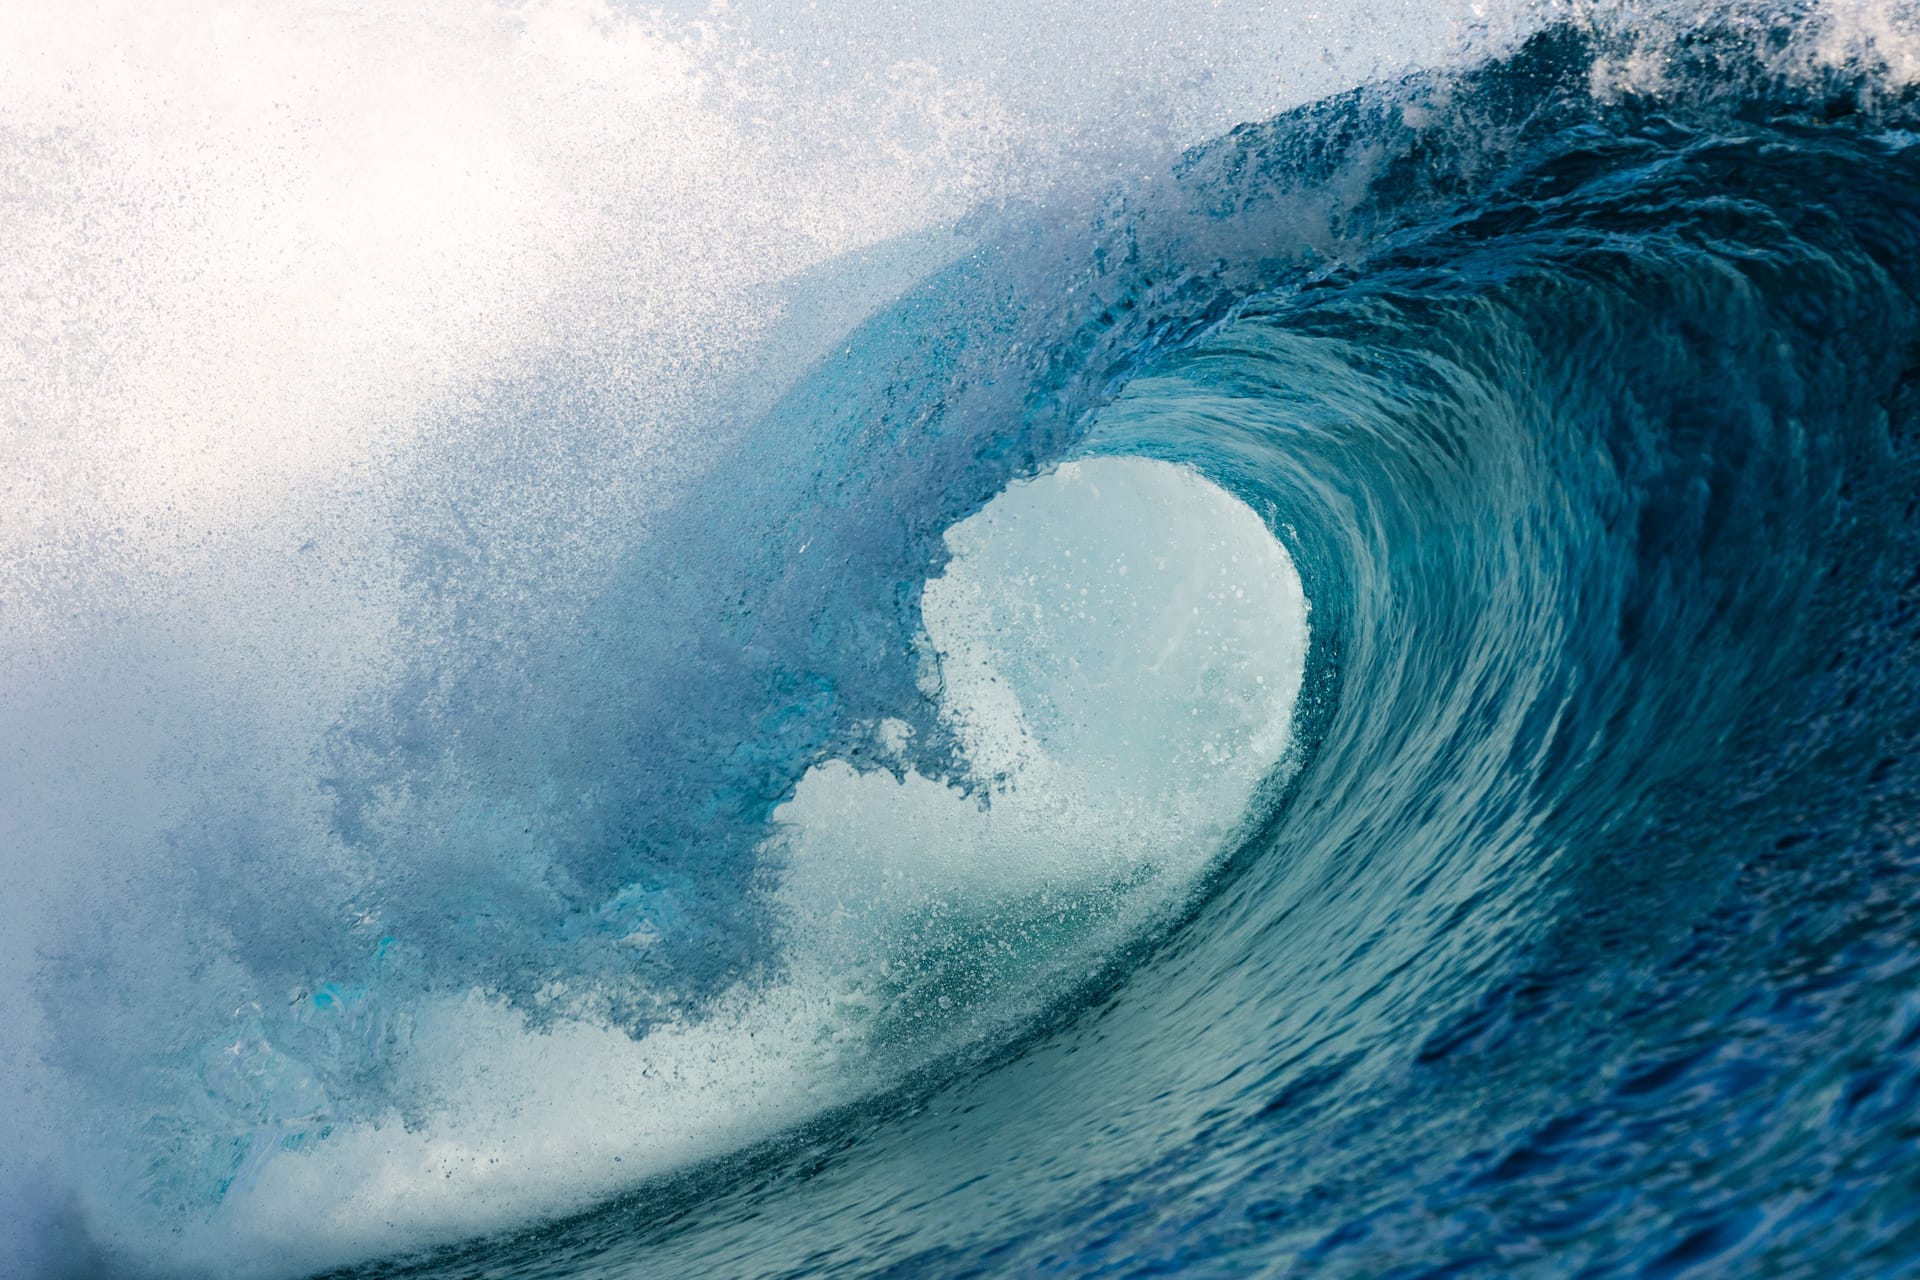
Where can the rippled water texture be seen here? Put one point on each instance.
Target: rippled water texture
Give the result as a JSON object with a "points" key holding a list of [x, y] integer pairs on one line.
{"points": [[655, 654]]}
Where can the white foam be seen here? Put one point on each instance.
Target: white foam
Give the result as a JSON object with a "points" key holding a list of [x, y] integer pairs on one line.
{"points": [[1876, 40], [1880, 36], [1117, 646]]}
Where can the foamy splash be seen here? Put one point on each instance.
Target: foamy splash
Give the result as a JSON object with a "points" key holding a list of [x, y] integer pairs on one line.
{"points": [[1118, 618]]}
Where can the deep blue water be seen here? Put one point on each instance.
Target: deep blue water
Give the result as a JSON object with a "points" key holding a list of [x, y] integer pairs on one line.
{"points": [[1568, 931]]}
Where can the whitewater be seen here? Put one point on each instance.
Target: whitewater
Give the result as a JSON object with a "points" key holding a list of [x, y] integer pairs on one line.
{"points": [[912, 640]]}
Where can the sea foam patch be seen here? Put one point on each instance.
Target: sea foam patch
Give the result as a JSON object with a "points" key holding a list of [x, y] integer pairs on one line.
{"points": [[1118, 647]]}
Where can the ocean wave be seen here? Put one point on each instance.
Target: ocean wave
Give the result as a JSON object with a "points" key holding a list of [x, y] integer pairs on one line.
{"points": [[1342, 706]]}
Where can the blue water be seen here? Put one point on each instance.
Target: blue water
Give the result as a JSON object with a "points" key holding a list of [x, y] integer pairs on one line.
{"points": [[915, 863]]}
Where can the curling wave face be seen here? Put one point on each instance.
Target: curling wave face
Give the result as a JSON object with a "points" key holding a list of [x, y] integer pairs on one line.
{"points": [[989, 861]]}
